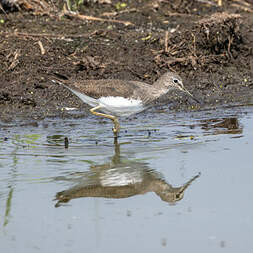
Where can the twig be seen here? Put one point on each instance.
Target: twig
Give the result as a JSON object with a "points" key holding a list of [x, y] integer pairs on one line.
{"points": [[239, 6], [166, 42], [115, 13], [230, 41], [171, 14], [15, 60], [42, 49], [174, 49], [182, 59], [58, 36], [207, 2], [91, 18], [2, 9], [175, 60]]}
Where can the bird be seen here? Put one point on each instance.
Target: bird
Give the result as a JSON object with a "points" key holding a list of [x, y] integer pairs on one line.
{"points": [[114, 98]]}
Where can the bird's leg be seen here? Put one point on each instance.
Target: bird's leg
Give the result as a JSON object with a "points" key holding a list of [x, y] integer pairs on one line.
{"points": [[115, 120]]}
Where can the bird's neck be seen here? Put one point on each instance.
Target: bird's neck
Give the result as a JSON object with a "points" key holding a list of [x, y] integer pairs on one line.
{"points": [[159, 91], [159, 88], [153, 94]]}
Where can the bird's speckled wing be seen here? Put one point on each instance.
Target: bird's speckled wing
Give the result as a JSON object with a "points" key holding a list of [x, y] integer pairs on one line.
{"points": [[108, 87]]}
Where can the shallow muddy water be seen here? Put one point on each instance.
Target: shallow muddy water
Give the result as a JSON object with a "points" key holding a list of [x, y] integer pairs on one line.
{"points": [[178, 182]]}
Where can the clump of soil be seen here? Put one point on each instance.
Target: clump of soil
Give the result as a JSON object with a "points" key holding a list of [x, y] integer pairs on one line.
{"points": [[209, 45]]}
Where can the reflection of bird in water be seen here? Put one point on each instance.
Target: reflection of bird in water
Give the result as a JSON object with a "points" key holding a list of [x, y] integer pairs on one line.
{"points": [[122, 178]]}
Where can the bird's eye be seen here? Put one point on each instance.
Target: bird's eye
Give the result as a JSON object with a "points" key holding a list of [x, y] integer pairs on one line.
{"points": [[175, 81]]}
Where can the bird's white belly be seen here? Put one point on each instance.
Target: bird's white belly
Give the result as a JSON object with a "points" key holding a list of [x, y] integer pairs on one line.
{"points": [[120, 106], [117, 106], [125, 176]]}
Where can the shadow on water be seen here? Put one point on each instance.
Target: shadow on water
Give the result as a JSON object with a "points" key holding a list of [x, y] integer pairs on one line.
{"points": [[122, 178]]}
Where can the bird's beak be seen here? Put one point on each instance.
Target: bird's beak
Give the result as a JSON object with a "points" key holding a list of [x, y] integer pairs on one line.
{"points": [[186, 91]]}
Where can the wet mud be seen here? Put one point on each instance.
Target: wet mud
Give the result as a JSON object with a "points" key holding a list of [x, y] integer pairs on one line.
{"points": [[209, 45]]}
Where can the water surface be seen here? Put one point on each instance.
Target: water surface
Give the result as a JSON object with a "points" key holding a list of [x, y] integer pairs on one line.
{"points": [[178, 182]]}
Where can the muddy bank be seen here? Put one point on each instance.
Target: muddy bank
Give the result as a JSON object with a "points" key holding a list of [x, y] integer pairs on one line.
{"points": [[210, 46]]}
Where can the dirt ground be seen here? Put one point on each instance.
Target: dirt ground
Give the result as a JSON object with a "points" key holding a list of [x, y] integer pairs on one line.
{"points": [[210, 46]]}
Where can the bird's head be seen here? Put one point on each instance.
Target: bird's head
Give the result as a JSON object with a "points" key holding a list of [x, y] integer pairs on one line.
{"points": [[172, 81]]}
